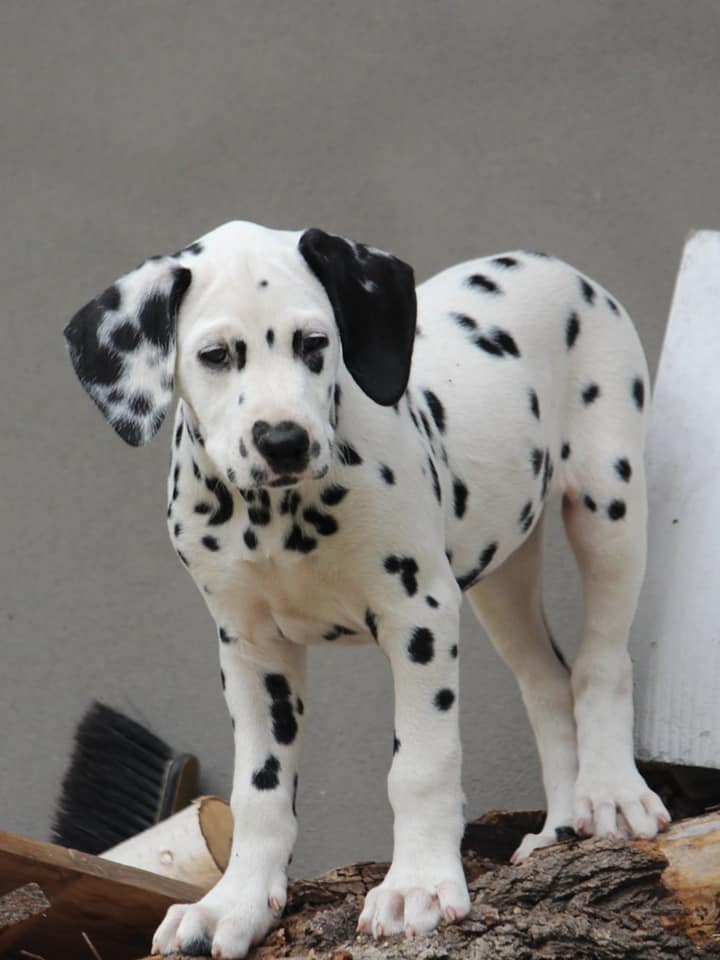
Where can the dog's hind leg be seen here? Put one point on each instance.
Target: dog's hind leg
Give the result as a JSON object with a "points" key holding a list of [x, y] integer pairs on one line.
{"points": [[508, 604], [605, 519]]}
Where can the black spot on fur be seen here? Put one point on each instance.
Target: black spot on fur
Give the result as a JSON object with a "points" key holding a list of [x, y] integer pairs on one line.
{"points": [[270, 337], [613, 306], [460, 495], [240, 354], [638, 392], [536, 458], [467, 323], [348, 454], [421, 647], [224, 510], [565, 451], [225, 637], [371, 623], [590, 503], [222, 678], [407, 568], [178, 434], [277, 686], [323, 522], [296, 540], [333, 494], [590, 393], [396, 743], [467, 580], [444, 699], [116, 396], [266, 778], [436, 409], [454, 651], [534, 404], [290, 502], [548, 472], [125, 337], [479, 281], [110, 299], [129, 429], [617, 510], [435, 481], [499, 343], [588, 291], [177, 530], [141, 404], [259, 516], [156, 312], [526, 517], [202, 508], [200, 946], [572, 329], [507, 262], [299, 706], [211, 543], [183, 558], [285, 726], [387, 474], [623, 469], [250, 538], [258, 475], [338, 631], [431, 601]]}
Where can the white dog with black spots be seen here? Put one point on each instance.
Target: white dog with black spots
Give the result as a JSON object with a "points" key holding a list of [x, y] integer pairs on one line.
{"points": [[341, 474]]}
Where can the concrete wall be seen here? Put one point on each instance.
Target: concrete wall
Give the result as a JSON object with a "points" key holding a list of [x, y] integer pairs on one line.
{"points": [[438, 130]]}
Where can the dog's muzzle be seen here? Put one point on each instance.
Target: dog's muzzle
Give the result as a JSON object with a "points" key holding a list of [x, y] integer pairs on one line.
{"points": [[284, 445]]}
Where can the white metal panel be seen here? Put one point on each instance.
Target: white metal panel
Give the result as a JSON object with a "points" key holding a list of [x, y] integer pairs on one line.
{"points": [[676, 637]]}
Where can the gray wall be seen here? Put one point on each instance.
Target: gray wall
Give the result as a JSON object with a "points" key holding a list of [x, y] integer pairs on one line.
{"points": [[438, 130]]}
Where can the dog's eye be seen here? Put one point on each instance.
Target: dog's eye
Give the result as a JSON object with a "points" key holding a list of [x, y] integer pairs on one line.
{"points": [[313, 343], [214, 357]]}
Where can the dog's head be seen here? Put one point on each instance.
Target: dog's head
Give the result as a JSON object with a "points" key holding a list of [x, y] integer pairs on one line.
{"points": [[250, 326]]}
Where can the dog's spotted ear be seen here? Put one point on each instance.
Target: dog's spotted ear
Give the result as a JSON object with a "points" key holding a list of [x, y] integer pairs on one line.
{"points": [[122, 346], [373, 297]]}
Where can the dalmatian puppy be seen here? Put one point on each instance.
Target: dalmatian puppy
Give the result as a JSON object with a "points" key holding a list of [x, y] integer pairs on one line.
{"points": [[342, 475]]}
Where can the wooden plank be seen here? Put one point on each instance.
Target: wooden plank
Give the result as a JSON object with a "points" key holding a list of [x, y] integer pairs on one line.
{"points": [[676, 637], [118, 907]]}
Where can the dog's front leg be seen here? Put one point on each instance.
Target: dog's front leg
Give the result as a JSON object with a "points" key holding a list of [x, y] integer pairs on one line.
{"points": [[264, 689], [425, 882]]}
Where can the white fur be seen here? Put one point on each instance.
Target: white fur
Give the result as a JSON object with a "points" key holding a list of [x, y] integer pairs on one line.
{"points": [[271, 602]]}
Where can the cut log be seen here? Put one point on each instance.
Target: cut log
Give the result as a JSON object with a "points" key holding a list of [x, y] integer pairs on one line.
{"points": [[193, 845], [589, 900]]}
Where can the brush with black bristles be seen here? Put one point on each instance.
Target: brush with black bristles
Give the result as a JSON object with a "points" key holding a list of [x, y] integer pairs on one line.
{"points": [[122, 779]]}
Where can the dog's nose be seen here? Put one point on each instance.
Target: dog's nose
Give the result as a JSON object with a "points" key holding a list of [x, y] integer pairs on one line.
{"points": [[284, 445]]}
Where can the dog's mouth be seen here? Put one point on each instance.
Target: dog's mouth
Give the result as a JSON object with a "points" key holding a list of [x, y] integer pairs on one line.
{"points": [[262, 477]]}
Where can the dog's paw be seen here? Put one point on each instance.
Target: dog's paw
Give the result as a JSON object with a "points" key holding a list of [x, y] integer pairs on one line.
{"points": [[618, 806], [536, 841], [225, 924], [415, 904]]}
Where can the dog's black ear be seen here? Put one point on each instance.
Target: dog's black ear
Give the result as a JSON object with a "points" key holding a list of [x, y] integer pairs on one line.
{"points": [[373, 296], [122, 346]]}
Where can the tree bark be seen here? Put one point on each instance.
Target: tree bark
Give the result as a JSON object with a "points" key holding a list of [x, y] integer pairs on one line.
{"points": [[590, 900]]}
